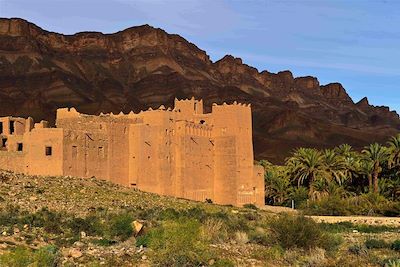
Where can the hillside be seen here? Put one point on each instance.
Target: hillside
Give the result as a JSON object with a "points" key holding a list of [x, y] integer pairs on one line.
{"points": [[143, 67], [68, 221]]}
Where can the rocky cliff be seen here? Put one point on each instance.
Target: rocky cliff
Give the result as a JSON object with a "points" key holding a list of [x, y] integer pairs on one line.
{"points": [[143, 67]]}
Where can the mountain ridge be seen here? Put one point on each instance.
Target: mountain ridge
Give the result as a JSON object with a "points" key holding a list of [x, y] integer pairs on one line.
{"points": [[142, 67]]}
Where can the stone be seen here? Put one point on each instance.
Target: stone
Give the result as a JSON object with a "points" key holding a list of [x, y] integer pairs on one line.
{"points": [[144, 257], [137, 226], [75, 253], [83, 234]]}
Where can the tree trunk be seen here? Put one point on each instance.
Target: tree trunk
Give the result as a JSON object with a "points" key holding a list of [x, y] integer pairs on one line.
{"points": [[370, 182], [376, 173], [311, 192]]}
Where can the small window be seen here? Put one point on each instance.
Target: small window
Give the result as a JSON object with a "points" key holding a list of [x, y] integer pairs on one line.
{"points": [[20, 147], [74, 152], [100, 152], [1, 127], [3, 142], [202, 122], [12, 128], [49, 150]]}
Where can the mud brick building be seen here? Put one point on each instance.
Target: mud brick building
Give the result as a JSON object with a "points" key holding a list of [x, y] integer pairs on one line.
{"points": [[182, 152]]}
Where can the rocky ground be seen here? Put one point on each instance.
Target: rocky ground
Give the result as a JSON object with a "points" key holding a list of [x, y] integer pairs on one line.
{"points": [[70, 197]]}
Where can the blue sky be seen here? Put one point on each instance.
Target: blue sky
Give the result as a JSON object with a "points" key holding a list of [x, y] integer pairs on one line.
{"points": [[355, 42]]}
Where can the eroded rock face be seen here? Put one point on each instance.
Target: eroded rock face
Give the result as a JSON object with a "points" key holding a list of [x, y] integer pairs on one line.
{"points": [[143, 67]]}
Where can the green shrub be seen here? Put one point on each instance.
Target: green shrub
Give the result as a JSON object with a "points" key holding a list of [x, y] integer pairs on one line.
{"points": [[268, 253], [396, 245], [371, 243], [301, 232], [91, 225], [392, 262], [21, 257], [177, 243], [46, 256], [121, 226]]}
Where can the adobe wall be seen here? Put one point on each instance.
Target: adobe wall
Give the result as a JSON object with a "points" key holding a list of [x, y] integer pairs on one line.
{"points": [[95, 146], [180, 152], [196, 163], [44, 151]]}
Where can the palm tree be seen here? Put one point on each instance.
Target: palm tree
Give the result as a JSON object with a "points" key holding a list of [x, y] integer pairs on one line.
{"points": [[394, 151], [344, 150], [277, 184], [307, 165], [334, 165], [377, 154], [365, 168]]}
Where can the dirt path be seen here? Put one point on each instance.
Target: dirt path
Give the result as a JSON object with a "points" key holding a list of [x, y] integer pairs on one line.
{"points": [[370, 220]]}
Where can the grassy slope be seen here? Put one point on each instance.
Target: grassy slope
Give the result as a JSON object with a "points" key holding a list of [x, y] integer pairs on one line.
{"points": [[77, 197]]}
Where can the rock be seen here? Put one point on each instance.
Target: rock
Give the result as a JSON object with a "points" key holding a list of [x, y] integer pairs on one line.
{"points": [[211, 262], [83, 234], [4, 233], [74, 253], [33, 198], [144, 257], [79, 244], [137, 226], [355, 231]]}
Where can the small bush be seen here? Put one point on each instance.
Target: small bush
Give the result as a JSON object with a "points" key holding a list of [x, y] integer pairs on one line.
{"points": [[177, 243], [371, 243], [357, 250], [291, 231], [21, 257], [91, 225], [396, 245], [268, 254], [121, 226], [392, 262], [214, 230]]}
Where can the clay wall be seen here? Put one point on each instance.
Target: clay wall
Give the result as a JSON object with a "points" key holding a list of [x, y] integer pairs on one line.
{"points": [[196, 167], [44, 151], [180, 152], [96, 146]]}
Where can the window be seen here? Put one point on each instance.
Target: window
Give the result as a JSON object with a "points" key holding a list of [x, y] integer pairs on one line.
{"points": [[20, 146], [74, 152], [12, 129], [202, 122], [48, 151], [100, 152], [3, 142], [1, 127]]}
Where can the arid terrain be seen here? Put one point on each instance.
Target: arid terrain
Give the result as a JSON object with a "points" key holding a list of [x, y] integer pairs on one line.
{"points": [[142, 67], [61, 220]]}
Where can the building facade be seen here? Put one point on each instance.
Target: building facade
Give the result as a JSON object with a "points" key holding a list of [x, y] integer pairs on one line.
{"points": [[182, 152]]}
